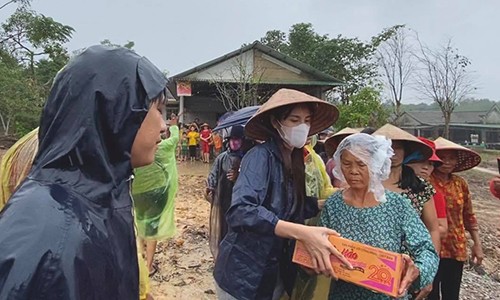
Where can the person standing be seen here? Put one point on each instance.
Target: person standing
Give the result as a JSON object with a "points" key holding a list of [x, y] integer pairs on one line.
{"points": [[368, 213], [184, 141], [193, 138], [153, 190], [220, 184], [404, 181], [67, 232], [424, 170], [460, 215], [205, 140]]}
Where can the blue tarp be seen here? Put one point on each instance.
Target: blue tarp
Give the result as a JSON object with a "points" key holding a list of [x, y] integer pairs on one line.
{"points": [[239, 117]]}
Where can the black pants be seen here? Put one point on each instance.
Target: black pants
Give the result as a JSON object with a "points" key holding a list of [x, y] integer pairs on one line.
{"points": [[448, 279]]}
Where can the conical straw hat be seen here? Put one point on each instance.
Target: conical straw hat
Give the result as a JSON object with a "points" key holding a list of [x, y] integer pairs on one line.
{"points": [[411, 142], [260, 128], [467, 159], [333, 142]]}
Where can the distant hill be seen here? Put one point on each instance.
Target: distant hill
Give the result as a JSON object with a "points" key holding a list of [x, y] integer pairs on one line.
{"points": [[466, 105]]}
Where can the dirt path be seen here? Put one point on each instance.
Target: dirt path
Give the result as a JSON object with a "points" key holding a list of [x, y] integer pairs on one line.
{"points": [[487, 171], [185, 262]]}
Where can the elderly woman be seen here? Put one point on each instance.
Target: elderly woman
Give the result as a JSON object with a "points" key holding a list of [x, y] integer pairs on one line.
{"points": [[365, 212], [460, 215]]}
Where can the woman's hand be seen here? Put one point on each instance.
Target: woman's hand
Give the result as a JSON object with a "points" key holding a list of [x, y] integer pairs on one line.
{"points": [[424, 292], [209, 194], [410, 274], [477, 254], [321, 203], [232, 175], [174, 120], [316, 241]]}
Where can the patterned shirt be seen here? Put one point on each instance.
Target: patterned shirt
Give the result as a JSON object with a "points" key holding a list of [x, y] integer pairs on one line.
{"points": [[459, 214], [384, 226], [418, 200]]}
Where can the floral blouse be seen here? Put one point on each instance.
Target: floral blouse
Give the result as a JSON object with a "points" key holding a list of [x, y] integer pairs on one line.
{"points": [[460, 216], [383, 226], [418, 200]]}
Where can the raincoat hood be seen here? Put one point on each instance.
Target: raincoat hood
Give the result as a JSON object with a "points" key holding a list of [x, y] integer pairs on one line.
{"points": [[67, 232], [95, 108]]}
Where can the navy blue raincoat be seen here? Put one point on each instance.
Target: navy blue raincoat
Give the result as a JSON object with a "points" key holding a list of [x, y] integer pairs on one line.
{"points": [[67, 232], [251, 256]]}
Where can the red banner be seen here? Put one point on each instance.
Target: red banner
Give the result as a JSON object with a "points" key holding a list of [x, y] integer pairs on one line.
{"points": [[183, 88]]}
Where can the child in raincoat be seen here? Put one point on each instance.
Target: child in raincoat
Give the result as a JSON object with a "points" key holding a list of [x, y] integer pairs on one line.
{"points": [[153, 190]]}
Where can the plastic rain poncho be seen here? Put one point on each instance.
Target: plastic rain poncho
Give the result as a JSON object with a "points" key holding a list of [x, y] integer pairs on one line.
{"points": [[375, 152], [14, 168], [154, 189], [222, 189], [318, 184], [16, 164], [68, 231], [317, 180]]}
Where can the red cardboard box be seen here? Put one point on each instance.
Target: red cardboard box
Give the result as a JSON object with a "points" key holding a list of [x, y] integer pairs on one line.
{"points": [[376, 269]]}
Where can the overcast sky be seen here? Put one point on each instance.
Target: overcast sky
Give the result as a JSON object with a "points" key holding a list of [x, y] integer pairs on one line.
{"points": [[178, 35]]}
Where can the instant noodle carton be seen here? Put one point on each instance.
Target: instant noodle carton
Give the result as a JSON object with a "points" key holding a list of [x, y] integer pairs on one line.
{"points": [[376, 269]]}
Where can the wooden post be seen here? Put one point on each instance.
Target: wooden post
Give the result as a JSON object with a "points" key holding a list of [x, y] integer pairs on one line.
{"points": [[181, 109]]}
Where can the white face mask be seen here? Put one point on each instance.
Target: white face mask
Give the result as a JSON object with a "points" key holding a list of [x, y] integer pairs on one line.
{"points": [[295, 136]]}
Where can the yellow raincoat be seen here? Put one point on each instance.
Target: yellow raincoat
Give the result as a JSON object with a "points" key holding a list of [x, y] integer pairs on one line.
{"points": [[16, 164], [315, 287]]}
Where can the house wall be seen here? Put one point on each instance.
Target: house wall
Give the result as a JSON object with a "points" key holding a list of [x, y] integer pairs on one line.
{"points": [[493, 117], [277, 71], [227, 70], [205, 108]]}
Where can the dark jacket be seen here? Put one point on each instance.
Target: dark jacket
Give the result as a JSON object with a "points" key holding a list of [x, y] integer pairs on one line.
{"points": [[251, 255], [222, 189], [67, 232]]}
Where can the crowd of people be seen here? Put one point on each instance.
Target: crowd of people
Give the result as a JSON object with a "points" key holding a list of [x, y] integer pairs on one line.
{"points": [[383, 187], [198, 142], [86, 196]]}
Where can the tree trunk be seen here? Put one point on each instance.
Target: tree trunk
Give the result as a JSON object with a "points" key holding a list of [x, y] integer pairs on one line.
{"points": [[5, 124], [447, 117], [397, 113]]}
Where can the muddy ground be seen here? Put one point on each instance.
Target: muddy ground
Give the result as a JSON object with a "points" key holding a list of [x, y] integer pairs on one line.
{"points": [[186, 265]]}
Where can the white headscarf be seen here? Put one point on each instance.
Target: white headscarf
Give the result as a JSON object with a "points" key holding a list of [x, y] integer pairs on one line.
{"points": [[375, 152]]}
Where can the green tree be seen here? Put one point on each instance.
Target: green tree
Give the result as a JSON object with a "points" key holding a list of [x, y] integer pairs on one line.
{"points": [[31, 53], [275, 39], [19, 96], [129, 44], [29, 36], [365, 109], [20, 3], [348, 59]]}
